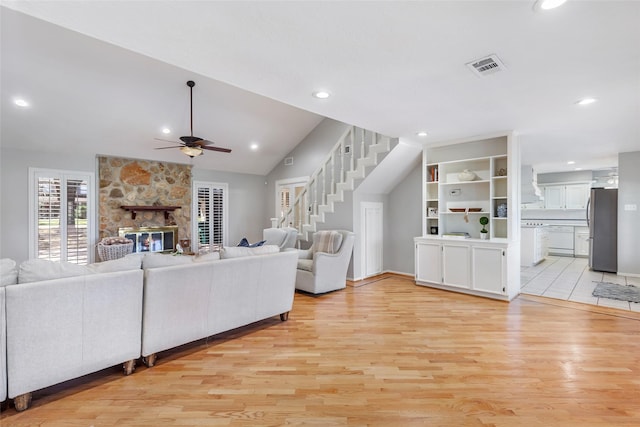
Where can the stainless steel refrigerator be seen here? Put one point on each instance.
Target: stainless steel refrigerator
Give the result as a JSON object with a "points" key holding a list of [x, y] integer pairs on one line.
{"points": [[602, 218]]}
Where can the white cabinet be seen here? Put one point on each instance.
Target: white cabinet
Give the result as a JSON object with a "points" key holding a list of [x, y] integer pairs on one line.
{"points": [[571, 196], [471, 266], [581, 242], [488, 269], [455, 265], [429, 262], [534, 243]]}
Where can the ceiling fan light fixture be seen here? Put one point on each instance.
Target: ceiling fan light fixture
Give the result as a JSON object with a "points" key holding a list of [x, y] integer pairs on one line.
{"points": [[191, 151]]}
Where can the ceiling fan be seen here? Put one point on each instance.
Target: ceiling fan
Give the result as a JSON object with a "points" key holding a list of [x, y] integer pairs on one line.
{"points": [[191, 145]]}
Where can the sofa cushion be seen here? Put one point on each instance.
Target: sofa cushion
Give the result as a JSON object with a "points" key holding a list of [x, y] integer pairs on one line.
{"points": [[327, 241], [36, 270], [242, 251], [210, 256], [128, 262], [152, 260], [305, 264], [8, 272]]}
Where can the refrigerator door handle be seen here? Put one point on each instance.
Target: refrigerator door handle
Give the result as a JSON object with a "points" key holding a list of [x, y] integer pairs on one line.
{"points": [[587, 211]]}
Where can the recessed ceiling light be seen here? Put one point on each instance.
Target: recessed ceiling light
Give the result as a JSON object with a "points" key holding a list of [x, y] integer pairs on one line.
{"points": [[254, 146], [586, 101], [321, 94], [20, 102], [166, 130], [571, 162], [422, 133], [547, 4]]}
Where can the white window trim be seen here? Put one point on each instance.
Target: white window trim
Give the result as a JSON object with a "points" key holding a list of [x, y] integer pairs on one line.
{"points": [[33, 210], [194, 210]]}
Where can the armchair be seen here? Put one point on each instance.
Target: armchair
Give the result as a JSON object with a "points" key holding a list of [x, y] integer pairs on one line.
{"points": [[323, 267], [282, 237]]}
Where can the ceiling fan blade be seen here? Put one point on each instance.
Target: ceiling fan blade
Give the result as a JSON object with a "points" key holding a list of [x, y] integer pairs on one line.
{"points": [[164, 148], [167, 140], [222, 150]]}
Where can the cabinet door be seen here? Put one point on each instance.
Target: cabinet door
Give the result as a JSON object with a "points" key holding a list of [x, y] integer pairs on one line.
{"points": [[429, 262], [488, 269], [455, 263], [581, 247], [576, 196], [554, 197]]}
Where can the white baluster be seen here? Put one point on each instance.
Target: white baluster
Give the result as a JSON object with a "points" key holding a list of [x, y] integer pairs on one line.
{"points": [[362, 149], [342, 154], [352, 165], [332, 189]]}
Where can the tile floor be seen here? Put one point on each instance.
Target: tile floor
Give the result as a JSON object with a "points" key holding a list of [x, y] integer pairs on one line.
{"points": [[570, 279]]}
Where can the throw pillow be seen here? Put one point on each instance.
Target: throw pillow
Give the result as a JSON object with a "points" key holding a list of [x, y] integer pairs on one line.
{"points": [[37, 270], [8, 272], [239, 251], [245, 243], [327, 241]]}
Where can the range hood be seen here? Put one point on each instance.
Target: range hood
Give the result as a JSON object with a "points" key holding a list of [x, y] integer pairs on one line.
{"points": [[529, 191]]}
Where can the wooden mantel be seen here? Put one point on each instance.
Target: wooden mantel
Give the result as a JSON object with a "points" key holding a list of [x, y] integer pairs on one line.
{"points": [[165, 209]]}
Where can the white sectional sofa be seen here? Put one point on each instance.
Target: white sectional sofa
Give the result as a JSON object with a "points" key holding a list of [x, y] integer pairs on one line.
{"points": [[64, 328], [184, 303]]}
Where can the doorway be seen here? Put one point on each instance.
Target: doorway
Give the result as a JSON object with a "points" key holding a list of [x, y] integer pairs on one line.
{"points": [[286, 192], [372, 237]]}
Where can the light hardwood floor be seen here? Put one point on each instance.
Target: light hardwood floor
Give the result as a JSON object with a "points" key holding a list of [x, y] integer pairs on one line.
{"points": [[387, 353], [570, 279]]}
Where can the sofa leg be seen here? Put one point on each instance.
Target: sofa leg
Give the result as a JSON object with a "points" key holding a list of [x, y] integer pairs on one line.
{"points": [[284, 316], [22, 402], [129, 366], [149, 360]]}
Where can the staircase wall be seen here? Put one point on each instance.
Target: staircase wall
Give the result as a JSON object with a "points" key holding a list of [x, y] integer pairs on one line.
{"points": [[307, 155]]}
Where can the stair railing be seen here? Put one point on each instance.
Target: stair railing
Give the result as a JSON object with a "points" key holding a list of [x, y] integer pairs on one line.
{"points": [[329, 174]]}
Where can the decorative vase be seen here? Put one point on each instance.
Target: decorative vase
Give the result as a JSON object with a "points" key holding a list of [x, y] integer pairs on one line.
{"points": [[502, 210], [466, 175], [483, 236]]}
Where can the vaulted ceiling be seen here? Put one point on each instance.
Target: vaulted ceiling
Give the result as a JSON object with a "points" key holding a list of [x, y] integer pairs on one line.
{"points": [[106, 77]]}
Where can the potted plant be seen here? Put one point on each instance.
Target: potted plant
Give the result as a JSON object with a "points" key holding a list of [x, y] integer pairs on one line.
{"points": [[483, 233]]}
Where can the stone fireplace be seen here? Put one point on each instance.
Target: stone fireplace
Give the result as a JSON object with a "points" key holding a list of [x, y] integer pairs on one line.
{"points": [[152, 185]]}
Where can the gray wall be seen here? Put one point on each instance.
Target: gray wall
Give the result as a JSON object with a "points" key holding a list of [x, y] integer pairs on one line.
{"points": [[573, 176], [14, 193], [628, 221], [403, 222], [247, 200]]}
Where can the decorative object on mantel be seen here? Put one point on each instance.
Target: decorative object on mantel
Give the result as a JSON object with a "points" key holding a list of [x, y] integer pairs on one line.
{"points": [[467, 175], [135, 209], [484, 232], [193, 146]]}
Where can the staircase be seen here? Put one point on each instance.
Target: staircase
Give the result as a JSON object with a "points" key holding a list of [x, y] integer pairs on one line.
{"points": [[352, 158]]}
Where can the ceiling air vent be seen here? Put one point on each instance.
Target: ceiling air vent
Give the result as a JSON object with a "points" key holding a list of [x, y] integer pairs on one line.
{"points": [[288, 161], [487, 65]]}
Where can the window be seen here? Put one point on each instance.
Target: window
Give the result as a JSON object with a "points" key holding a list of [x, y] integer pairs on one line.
{"points": [[61, 215], [210, 222], [286, 192]]}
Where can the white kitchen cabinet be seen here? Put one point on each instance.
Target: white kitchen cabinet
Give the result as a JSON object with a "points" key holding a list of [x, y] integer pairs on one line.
{"points": [[455, 264], [488, 269], [570, 196], [581, 242], [472, 266], [534, 243], [429, 261]]}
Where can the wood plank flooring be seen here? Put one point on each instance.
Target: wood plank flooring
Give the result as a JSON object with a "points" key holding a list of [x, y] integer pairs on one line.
{"points": [[387, 353]]}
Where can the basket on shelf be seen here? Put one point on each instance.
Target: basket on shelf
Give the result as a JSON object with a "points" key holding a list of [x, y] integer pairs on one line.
{"points": [[111, 248]]}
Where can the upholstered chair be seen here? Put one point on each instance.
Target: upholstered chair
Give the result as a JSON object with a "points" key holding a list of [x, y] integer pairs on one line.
{"points": [[323, 267], [284, 237]]}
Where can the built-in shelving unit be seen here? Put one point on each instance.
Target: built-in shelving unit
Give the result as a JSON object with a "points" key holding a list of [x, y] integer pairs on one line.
{"points": [[464, 182]]}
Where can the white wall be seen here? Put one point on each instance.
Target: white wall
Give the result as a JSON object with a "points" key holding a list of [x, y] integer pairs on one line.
{"points": [[14, 193], [628, 221]]}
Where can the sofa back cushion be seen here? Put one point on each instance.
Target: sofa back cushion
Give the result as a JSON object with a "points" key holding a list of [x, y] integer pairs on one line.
{"points": [[153, 260], [8, 272], [37, 270], [327, 241], [128, 262], [242, 251]]}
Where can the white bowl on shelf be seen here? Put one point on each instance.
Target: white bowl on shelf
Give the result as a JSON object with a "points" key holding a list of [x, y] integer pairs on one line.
{"points": [[466, 175]]}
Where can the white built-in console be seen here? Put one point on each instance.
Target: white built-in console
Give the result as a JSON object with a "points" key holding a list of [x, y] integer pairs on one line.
{"points": [[464, 182]]}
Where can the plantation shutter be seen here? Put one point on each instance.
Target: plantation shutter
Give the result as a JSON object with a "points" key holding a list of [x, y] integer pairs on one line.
{"points": [[210, 214], [61, 225]]}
